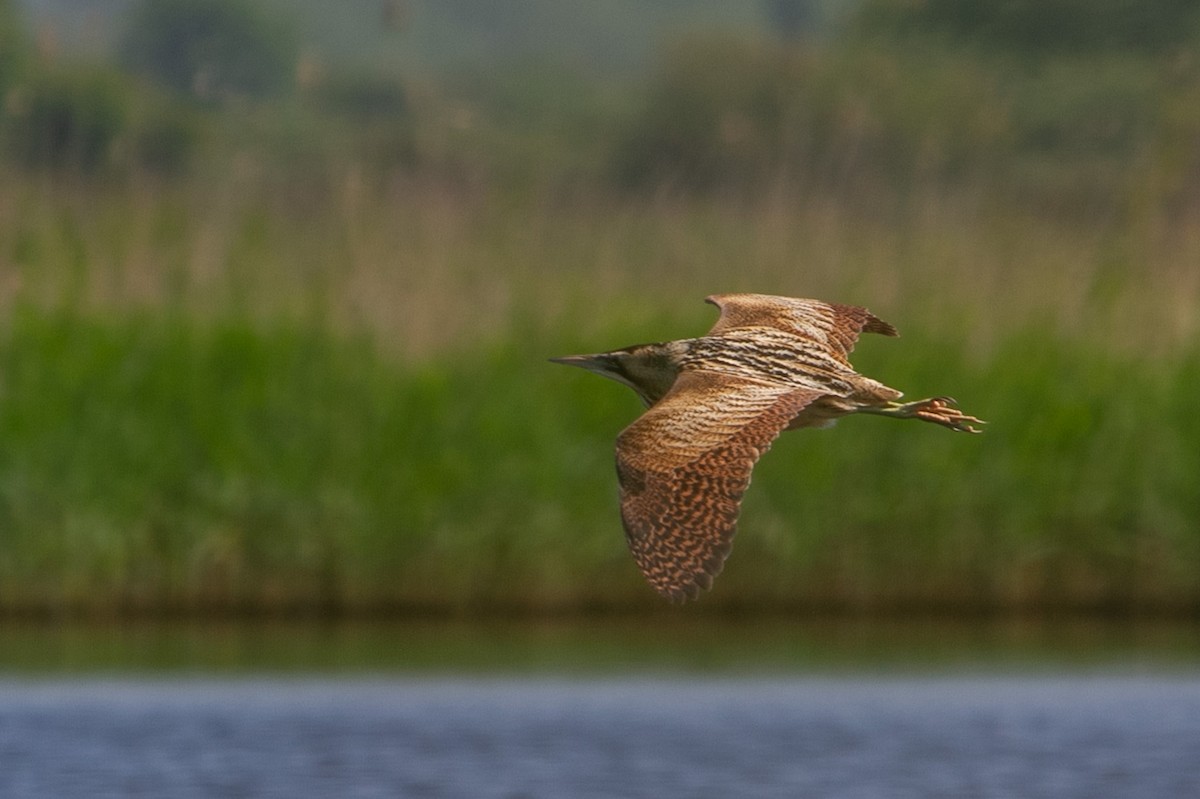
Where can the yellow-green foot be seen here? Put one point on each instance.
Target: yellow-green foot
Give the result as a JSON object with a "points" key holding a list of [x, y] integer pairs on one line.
{"points": [[939, 410]]}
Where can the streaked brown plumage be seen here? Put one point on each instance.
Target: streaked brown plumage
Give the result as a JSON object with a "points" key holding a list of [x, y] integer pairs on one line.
{"points": [[716, 403]]}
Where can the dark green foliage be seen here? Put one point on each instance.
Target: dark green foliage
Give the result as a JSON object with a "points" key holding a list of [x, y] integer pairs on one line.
{"points": [[373, 109], [211, 49], [734, 113], [1046, 26], [718, 111], [91, 121], [793, 19], [70, 120], [362, 96]]}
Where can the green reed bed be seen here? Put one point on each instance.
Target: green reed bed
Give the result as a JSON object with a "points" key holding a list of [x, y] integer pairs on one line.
{"points": [[156, 462]]}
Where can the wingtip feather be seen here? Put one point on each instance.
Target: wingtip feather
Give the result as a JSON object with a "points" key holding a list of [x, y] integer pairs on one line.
{"points": [[876, 325]]}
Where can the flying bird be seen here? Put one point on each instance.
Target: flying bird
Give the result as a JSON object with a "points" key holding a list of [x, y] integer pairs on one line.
{"points": [[716, 403]]}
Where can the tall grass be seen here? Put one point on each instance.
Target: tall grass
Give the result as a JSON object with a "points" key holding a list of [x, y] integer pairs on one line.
{"points": [[243, 395]]}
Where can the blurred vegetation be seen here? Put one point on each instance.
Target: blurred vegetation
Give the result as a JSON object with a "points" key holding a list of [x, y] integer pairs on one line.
{"points": [[920, 92], [284, 348], [211, 49], [12, 46], [70, 120], [1051, 28], [794, 18]]}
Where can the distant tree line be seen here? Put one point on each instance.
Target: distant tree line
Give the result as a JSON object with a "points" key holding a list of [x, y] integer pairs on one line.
{"points": [[211, 49], [921, 84], [939, 87], [1046, 27], [178, 61]]}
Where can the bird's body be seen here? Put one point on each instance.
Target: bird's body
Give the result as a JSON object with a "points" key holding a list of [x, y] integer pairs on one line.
{"points": [[716, 403]]}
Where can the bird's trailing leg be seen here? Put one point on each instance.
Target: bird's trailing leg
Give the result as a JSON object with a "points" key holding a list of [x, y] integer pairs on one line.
{"points": [[939, 410]]}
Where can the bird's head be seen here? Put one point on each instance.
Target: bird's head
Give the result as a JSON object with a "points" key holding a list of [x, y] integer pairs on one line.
{"points": [[649, 369]]}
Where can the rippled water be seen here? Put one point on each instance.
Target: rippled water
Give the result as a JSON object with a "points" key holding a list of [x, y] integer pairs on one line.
{"points": [[934, 736]]}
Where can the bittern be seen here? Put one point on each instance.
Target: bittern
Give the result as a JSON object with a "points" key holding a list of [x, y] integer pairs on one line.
{"points": [[715, 405]]}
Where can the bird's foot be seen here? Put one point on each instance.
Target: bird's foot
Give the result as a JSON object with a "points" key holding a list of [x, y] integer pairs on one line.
{"points": [[939, 410]]}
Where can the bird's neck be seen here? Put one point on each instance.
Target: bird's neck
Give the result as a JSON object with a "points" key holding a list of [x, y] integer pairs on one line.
{"points": [[653, 370]]}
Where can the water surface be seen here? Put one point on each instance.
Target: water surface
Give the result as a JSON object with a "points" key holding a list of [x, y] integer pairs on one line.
{"points": [[600, 707], [1032, 736]]}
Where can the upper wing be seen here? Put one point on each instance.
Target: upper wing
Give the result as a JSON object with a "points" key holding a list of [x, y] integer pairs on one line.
{"points": [[835, 327], [683, 467]]}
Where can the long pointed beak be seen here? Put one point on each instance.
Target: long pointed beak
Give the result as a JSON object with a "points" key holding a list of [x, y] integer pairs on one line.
{"points": [[583, 361]]}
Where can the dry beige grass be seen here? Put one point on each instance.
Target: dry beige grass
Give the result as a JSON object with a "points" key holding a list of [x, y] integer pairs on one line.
{"points": [[428, 266]]}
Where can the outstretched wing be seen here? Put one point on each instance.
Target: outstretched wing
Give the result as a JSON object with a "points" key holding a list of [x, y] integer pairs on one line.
{"points": [[833, 327], [684, 466]]}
